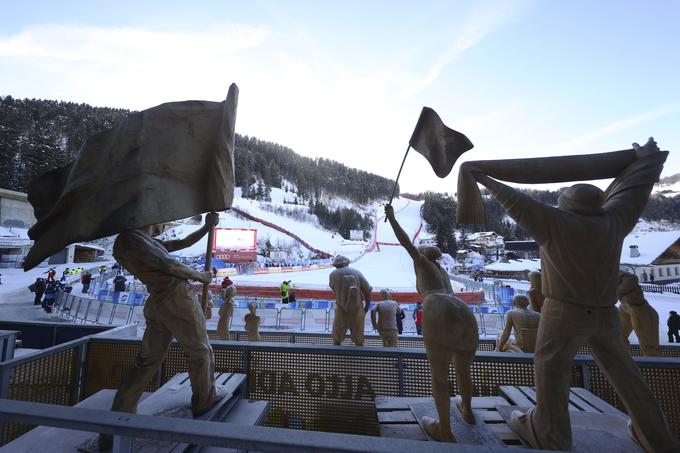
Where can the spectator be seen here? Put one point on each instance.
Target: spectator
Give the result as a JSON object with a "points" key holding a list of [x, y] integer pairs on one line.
{"points": [[119, 283], [285, 291], [39, 289], [651, 277], [418, 317], [50, 296], [65, 273], [644, 276], [214, 272], [51, 273], [673, 327], [86, 279], [400, 318], [226, 282]]}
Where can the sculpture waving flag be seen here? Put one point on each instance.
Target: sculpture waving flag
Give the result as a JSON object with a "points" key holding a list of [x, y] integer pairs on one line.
{"points": [[165, 163], [439, 144]]}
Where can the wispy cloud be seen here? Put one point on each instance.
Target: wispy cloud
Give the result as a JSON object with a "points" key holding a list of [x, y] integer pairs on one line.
{"points": [[584, 140], [480, 24]]}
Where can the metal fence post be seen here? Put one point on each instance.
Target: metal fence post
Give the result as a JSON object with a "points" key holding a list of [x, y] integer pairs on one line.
{"points": [[87, 310], [122, 444], [586, 376], [78, 372]]}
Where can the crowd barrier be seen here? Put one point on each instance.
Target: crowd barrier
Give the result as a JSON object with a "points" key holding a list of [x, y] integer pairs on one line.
{"points": [[306, 315], [654, 288], [310, 386]]}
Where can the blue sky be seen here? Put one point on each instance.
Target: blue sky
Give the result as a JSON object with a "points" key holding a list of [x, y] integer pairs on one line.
{"points": [[346, 80]]}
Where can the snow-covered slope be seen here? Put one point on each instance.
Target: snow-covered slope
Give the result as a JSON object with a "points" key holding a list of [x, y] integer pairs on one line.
{"points": [[293, 218], [389, 267]]}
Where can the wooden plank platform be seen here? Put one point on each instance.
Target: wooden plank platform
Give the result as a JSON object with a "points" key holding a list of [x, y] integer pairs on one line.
{"points": [[593, 432], [397, 419], [580, 399], [173, 399], [464, 433], [591, 417]]}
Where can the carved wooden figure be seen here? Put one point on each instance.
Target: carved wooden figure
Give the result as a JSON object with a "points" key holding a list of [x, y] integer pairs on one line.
{"points": [[449, 332]]}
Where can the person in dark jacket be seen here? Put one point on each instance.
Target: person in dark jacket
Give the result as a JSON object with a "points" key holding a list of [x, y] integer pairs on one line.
{"points": [[39, 290], [400, 317], [119, 283], [673, 327], [86, 279], [50, 296]]}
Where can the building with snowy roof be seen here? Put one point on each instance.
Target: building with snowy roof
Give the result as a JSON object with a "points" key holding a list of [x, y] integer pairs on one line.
{"points": [[522, 249], [15, 210], [513, 268], [652, 256], [14, 244]]}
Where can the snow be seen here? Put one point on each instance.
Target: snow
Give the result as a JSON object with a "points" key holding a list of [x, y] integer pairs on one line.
{"points": [[650, 245], [14, 233], [390, 267], [668, 190], [309, 230], [515, 266]]}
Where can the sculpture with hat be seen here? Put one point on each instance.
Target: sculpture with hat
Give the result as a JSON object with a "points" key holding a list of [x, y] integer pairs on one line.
{"points": [[350, 288]]}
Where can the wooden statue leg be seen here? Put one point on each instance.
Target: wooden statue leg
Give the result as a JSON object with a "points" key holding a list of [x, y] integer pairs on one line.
{"points": [[440, 358], [613, 359], [462, 360]]}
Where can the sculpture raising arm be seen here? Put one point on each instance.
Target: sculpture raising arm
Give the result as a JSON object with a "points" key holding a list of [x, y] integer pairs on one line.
{"points": [[530, 214], [211, 220], [401, 235], [626, 197], [130, 246]]}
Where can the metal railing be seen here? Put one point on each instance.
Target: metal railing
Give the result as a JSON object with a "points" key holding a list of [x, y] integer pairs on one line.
{"points": [[8, 339], [655, 288], [216, 434]]}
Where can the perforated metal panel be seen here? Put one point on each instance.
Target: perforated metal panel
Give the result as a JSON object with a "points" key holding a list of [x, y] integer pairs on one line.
{"points": [[226, 359], [662, 381], [48, 380], [635, 351], [325, 392], [108, 364], [329, 390]]}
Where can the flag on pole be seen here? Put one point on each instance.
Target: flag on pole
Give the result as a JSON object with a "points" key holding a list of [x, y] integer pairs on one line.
{"points": [[165, 163], [440, 145]]}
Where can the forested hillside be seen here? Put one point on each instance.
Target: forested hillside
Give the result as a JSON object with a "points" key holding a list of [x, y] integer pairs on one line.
{"points": [[39, 135]]}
